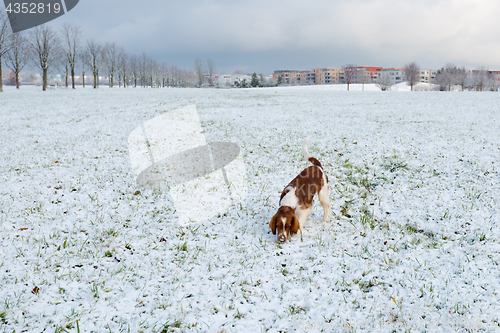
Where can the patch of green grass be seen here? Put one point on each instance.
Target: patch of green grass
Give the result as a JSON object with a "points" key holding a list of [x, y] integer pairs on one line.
{"points": [[413, 229], [182, 247], [166, 327], [239, 315], [365, 286], [344, 209], [394, 164], [295, 310]]}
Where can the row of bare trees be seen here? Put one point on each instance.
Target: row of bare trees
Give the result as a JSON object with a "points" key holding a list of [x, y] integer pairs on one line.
{"points": [[204, 71], [450, 76], [64, 52]]}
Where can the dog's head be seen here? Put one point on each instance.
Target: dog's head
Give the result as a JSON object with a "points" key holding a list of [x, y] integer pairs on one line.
{"points": [[284, 223]]}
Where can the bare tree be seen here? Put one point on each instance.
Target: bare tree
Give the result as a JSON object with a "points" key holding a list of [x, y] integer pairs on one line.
{"points": [[174, 70], [94, 60], [199, 70], [143, 69], [480, 79], [411, 73], [44, 45], [447, 77], [83, 56], [123, 64], [110, 56], [5, 45], [164, 69], [384, 81], [134, 69], [18, 56], [211, 71], [462, 78], [349, 74], [70, 44], [151, 69], [363, 76], [173, 75]]}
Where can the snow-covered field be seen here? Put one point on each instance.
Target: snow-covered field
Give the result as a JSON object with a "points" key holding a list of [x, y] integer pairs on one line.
{"points": [[413, 243]]}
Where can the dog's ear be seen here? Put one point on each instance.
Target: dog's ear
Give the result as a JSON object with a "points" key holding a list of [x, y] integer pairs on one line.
{"points": [[272, 224], [295, 225]]}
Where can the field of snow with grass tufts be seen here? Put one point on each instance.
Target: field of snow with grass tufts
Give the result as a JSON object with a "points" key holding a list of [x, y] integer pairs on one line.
{"points": [[413, 243]]}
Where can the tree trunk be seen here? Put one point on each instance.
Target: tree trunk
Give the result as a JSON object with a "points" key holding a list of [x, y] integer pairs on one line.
{"points": [[66, 77], [73, 77], [95, 80], [83, 76], [1, 77], [17, 80], [44, 85]]}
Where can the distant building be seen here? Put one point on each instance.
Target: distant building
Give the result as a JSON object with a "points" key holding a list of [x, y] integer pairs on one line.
{"points": [[393, 75], [288, 76], [328, 75], [307, 77], [494, 77], [365, 74], [427, 75], [224, 81], [357, 74]]}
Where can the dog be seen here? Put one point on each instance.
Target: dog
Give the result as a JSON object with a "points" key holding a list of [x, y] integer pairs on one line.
{"points": [[297, 198]]}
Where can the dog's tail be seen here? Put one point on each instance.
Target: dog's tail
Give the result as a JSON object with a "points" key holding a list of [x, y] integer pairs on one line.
{"points": [[308, 156]]}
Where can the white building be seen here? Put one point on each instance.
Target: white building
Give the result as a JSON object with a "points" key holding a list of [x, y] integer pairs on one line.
{"points": [[427, 75], [393, 75], [224, 81]]}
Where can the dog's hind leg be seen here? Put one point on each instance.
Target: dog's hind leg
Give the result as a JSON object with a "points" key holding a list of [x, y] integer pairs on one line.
{"points": [[325, 202]]}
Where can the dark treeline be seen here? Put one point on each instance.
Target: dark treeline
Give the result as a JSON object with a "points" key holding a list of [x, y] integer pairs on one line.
{"points": [[63, 51]]}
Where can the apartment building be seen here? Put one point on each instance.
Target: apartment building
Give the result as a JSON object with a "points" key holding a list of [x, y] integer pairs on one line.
{"points": [[328, 75], [392, 76], [287, 76], [358, 74], [365, 74], [427, 75], [307, 77], [494, 77]]}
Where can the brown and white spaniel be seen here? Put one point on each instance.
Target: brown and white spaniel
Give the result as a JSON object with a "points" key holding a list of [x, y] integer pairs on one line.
{"points": [[297, 198]]}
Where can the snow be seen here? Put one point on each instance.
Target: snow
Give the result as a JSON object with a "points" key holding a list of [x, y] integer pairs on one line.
{"points": [[413, 242]]}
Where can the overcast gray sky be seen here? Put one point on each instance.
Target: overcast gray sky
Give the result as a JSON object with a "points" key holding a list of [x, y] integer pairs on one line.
{"points": [[264, 35]]}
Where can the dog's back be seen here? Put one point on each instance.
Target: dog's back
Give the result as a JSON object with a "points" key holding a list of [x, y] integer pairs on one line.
{"points": [[309, 182]]}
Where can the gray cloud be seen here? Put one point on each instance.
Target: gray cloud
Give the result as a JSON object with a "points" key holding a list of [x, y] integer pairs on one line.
{"points": [[266, 35]]}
